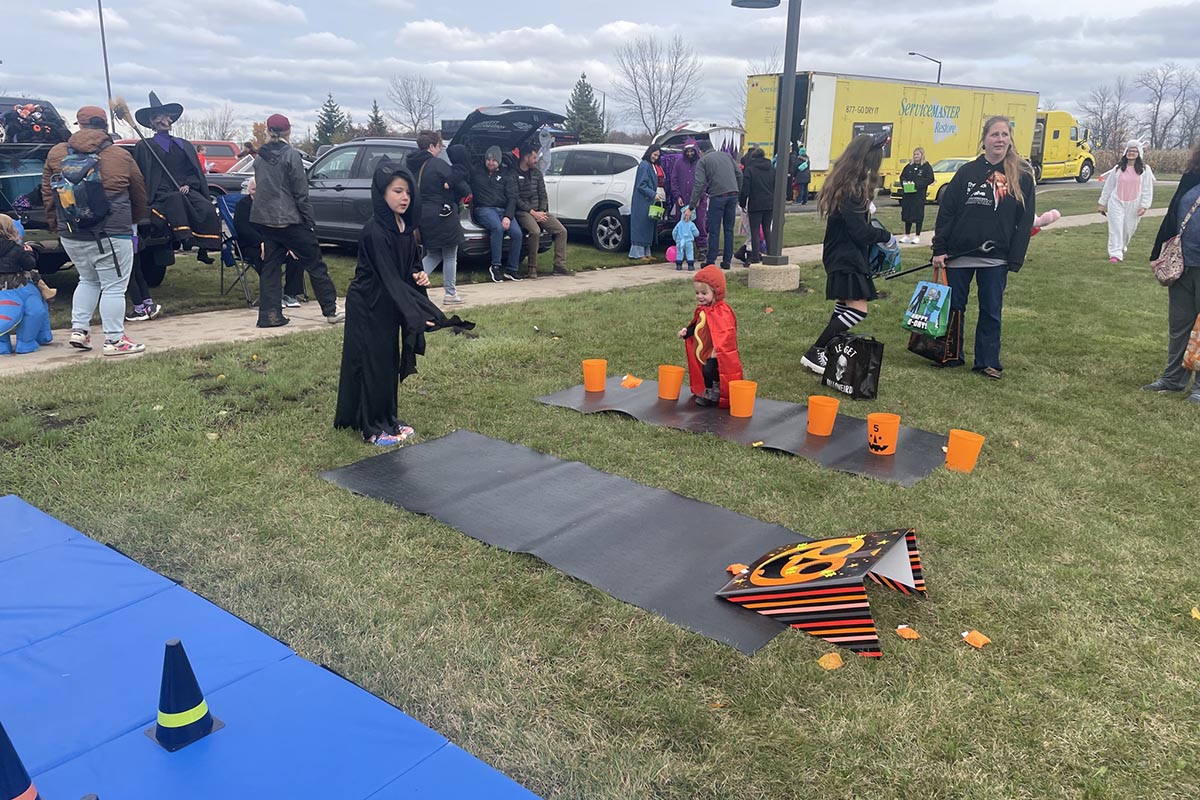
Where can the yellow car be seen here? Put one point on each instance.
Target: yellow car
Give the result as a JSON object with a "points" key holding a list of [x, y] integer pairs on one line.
{"points": [[943, 171]]}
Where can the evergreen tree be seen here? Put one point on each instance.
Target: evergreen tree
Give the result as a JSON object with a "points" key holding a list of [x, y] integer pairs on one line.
{"points": [[583, 113], [331, 122], [376, 125]]}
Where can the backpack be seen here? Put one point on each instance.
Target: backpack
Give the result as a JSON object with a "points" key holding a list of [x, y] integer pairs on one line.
{"points": [[82, 202]]}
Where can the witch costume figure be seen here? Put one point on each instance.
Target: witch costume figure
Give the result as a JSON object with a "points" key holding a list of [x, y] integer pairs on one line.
{"points": [[181, 209], [388, 312]]}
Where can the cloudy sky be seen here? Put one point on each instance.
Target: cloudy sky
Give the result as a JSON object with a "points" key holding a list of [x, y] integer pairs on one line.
{"points": [[262, 56]]}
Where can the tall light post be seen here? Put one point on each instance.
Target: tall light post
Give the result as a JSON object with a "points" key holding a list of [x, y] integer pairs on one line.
{"points": [[783, 123], [112, 123], [934, 60]]}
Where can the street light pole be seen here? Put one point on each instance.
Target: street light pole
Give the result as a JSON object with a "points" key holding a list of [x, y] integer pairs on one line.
{"points": [[934, 60], [112, 123], [783, 124]]}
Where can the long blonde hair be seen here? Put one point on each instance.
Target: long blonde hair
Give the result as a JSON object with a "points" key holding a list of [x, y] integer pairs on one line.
{"points": [[853, 176], [7, 229], [1014, 165]]}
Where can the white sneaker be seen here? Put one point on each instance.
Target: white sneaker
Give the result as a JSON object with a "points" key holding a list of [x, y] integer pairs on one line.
{"points": [[916, 240], [453, 299], [291, 302], [903, 240]]}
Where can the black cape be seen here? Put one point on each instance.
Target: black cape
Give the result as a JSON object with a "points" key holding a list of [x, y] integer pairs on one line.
{"points": [[386, 315]]}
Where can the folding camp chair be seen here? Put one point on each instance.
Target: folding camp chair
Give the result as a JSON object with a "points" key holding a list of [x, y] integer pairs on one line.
{"points": [[231, 253]]}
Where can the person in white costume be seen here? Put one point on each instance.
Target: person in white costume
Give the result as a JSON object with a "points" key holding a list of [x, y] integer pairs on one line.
{"points": [[1127, 194]]}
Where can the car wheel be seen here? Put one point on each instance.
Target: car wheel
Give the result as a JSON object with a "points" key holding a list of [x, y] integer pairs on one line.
{"points": [[609, 230], [1085, 172], [941, 193], [153, 274], [1037, 173]]}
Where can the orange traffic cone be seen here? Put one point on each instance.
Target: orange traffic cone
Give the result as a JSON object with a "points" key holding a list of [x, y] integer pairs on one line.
{"points": [[183, 715], [14, 779]]}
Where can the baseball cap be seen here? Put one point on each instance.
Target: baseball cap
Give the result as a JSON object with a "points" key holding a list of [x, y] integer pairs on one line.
{"points": [[87, 115], [278, 122]]}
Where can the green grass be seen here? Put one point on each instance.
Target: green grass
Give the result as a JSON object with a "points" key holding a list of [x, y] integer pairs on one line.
{"points": [[1071, 546]]}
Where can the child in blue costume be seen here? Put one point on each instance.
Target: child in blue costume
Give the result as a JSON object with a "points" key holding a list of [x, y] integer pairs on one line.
{"points": [[685, 234]]}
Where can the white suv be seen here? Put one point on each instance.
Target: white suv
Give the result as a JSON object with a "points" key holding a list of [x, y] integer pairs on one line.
{"points": [[590, 187]]}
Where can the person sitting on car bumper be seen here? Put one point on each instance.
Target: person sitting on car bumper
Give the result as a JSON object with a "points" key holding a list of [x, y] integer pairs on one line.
{"points": [[533, 211]]}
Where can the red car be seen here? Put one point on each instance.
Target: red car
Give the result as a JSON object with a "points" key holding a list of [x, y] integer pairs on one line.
{"points": [[219, 156]]}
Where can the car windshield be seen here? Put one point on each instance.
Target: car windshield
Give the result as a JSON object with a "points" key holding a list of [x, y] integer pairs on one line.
{"points": [[949, 164], [243, 164]]}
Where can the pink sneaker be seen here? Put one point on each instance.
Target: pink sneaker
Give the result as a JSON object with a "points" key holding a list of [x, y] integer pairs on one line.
{"points": [[123, 347], [1114, 260]]}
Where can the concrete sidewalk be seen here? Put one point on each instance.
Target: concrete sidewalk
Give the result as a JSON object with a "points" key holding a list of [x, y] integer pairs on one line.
{"points": [[213, 327]]}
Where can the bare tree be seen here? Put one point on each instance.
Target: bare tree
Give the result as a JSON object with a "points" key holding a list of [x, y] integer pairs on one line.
{"points": [[657, 81], [219, 124], [767, 65], [1187, 131], [1108, 112], [414, 101], [1167, 89]]}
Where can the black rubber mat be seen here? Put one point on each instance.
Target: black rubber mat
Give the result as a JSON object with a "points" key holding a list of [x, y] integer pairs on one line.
{"points": [[649, 547], [778, 425]]}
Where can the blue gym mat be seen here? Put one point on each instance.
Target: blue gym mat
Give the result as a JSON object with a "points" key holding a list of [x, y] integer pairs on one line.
{"points": [[82, 630]]}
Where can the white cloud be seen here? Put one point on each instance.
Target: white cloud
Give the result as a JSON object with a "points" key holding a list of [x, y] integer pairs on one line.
{"points": [[86, 19], [325, 42], [182, 35], [255, 10]]}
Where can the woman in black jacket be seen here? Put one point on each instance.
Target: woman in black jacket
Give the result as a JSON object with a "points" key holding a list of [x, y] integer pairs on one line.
{"points": [[440, 187], [983, 226], [1183, 296], [758, 198], [915, 180], [845, 201]]}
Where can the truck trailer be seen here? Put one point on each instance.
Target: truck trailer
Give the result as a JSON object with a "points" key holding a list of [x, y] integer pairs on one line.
{"points": [[830, 109]]}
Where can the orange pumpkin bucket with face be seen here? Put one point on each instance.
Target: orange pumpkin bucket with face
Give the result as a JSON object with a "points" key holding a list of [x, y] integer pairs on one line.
{"points": [[882, 432]]}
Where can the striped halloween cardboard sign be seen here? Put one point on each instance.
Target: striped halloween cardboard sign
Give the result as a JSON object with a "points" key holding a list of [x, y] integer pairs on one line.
{"points": [[819, 587]]}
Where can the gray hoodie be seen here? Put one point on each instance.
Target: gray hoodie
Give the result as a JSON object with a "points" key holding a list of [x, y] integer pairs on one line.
{"points": [[281, 188], [717, 173]]}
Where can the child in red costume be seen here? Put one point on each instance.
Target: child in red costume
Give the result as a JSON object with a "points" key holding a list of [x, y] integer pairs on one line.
{"points": [[711, 341]]}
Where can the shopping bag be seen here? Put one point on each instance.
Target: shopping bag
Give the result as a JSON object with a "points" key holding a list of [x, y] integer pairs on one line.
{"points": [[656, 210], [882, 259], [909, 187], [854, 364], [939, 349], [928, 309], [1191, 356]]}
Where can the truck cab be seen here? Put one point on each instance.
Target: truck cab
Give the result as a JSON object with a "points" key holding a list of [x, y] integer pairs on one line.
{"points": [[1061, 148]]}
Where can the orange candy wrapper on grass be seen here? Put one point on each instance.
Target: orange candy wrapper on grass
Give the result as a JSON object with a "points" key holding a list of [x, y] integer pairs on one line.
{"points": [[905, 632], [830, 661], [630, 382], [975, 639]]}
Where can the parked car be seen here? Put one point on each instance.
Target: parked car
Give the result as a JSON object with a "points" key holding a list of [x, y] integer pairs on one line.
{"points": [[339, 182], [220, 156], [943, 171], [233, 180], [590, 188]]}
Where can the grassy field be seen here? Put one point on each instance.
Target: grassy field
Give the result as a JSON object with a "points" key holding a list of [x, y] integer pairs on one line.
{"points": [[1068, 546]]}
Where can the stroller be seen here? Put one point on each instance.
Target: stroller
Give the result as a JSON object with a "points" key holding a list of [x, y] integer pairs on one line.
{"points": [[231, 253]]}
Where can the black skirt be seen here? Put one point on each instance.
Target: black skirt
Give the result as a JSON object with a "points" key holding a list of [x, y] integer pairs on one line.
{"points": [[849, 286]]}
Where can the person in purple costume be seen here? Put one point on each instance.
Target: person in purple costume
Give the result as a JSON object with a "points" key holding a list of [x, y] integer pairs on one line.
{"points": [[680, 182]]}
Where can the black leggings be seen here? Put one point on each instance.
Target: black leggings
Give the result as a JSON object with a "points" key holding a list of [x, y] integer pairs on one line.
{"points": [[138, 291], [711, 373], [908, 228]]}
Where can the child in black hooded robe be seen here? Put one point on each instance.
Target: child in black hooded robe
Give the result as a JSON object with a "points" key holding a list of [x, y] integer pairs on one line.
{"points": [[388, 312]]}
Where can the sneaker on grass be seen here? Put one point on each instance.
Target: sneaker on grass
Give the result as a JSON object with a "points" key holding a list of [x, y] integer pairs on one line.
{"points": [[139, 314], [291, 302], [453, 298], [1161, 387], [815, 359], [123, 347]]}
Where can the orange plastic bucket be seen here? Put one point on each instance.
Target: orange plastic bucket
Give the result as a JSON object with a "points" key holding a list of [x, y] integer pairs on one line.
{"points": [[741, 398], [963, 450], [882, 431], [595, 373], [670, 379], [822, 413]]}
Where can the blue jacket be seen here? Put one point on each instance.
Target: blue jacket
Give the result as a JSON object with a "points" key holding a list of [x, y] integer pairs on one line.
{"points": [[685, 231]]}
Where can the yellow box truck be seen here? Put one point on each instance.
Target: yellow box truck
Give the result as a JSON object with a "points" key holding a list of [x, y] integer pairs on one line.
{"points": [[1061, 148], [831, 109]]}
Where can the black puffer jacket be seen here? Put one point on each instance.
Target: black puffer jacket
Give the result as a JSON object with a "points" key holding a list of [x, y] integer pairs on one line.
{"points": [[14, 258], [494, 189], [758, 185], [531, 190]]}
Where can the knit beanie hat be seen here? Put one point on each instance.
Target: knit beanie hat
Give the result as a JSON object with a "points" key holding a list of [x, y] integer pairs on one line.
{"points": [[715, 278], [494, 154]]}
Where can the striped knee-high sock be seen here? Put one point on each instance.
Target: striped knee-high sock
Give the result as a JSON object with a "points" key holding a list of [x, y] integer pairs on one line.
{"points": [[841, 320]]}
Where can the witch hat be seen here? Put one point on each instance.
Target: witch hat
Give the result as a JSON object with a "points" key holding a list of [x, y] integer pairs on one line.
{"points": [[172, 110], [14, 779], [183, 715]]}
